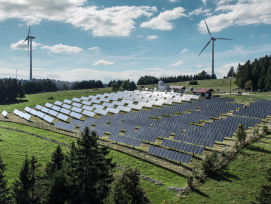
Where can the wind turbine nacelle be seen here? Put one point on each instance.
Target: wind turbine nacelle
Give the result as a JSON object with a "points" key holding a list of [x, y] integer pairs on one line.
{"points": [[31, 37], [213, 39]]}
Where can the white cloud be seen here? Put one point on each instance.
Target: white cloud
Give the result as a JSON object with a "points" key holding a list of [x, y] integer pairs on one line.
{"points": [[34, 68], [62, 48], [244, 12], [93, 48], [21, 25], [184, 50], [251, 35], [264, 35], [238, 49], [103, 62], [24, 46], [140, 36], [204, 1], [200, 11], [199, 65], [179, 63], [111, 21], [173, 1], [141, 46], [152, 37], [153, 69], [162, 21]]}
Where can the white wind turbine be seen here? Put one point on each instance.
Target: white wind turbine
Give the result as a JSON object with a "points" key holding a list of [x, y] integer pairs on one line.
{"points": [[213, 40], [30, 38]]}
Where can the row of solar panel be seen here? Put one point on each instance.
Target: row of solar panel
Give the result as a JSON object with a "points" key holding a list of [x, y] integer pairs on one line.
{"points": [[177, 156], [125, 140]]}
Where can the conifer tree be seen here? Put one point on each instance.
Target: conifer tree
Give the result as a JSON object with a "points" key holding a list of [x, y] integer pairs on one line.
{"points": [[268, 79], [231, 72], [25, 190], [126, 190], [56, 161], [91, 176], [5, 196]]}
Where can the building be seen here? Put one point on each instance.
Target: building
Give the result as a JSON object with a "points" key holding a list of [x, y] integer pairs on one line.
{"points": [[180, 89], [163, 86], [203, 92]]}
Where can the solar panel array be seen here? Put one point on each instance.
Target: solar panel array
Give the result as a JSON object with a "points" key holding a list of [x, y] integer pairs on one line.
{"points": [[18, 113], [177, 156], [77, 104], [183, 146], [27, 109], [27, 116], [76, 99], [66, 106], [4, 113], [259, 109], [88, 113], [67, 101], [40, 114], [33, 112], [52, 112], [125, 140], [87, 108], [65, 126], [76, 109], [38, 107], [45, 110], [56, 108]]}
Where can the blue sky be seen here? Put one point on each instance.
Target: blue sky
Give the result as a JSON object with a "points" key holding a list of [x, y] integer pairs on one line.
{"points": [[122, 39]]}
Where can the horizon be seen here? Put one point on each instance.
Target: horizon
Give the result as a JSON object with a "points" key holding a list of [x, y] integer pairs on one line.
{"points": [[126, 39]]}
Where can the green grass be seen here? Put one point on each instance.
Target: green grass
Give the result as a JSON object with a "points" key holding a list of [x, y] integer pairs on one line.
{"points": [[15, 146], [240, 180]]}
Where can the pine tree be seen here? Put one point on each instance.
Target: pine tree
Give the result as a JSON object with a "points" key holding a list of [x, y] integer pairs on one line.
{"points": [[231, 72], [56, 161], [25, 190], [268, 79], [126, 190], [91, 176], [5, 196]]}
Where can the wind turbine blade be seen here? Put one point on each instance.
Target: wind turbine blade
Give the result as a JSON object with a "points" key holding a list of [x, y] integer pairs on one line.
{"points": [[224, 39], [29, 29], [207, 28], [205, 46], [25, 39]]}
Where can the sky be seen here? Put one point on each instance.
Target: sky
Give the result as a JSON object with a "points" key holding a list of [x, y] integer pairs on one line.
{"points": [[108, 40]]}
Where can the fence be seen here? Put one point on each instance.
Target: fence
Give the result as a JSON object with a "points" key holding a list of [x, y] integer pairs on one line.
{"points": [[173, 166]]}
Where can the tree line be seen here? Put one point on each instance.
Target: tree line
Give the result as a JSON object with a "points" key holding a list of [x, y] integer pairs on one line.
{"points": [[125, 85], [83, 175], [119, 82], [10, 90], [87, 84], [32, 87], [154, 80], [256, 74]]}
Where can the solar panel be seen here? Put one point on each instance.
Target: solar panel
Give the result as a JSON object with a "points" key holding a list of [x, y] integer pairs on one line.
{"points": [[27, 109], [76, 99], [27, 116], [38, 107], [46, 110], [88, 113], [76, 109], [33, 112], [67, 101], [56, 108], [58, 103], [87, 108], [52, 112], [108, 105], [48, 119], [77, 104], [113, 110], [62, 117], [103, 112], [75, 115], [49, 105], [66, 106], [40, 114], [86, 102], [124, 108], [63, 110], [4, 113], [65, 126]]}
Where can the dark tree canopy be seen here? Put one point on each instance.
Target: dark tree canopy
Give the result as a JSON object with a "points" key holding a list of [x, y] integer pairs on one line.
{"points": [[259, 72], [10, 90], [87, 85]]}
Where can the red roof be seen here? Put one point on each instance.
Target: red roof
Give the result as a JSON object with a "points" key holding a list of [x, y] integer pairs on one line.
{"points": [[202, 90]]}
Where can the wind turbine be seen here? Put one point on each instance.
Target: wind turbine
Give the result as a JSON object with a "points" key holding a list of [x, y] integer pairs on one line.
{"points": [[30, 38], [213, 40]]}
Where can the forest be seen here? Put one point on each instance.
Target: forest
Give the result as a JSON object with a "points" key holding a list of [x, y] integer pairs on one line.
{"points": [[256, 74], [154, 80], [87, 85], [10, 90]]}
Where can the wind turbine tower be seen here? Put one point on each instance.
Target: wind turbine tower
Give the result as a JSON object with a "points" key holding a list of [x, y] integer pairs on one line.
{"points": [[30, 38], [213, 40]]}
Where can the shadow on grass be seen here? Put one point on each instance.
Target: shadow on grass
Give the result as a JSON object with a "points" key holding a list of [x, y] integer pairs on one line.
{"points": [[223, 176], [258, 149], [14, 102], [200, 193]]}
